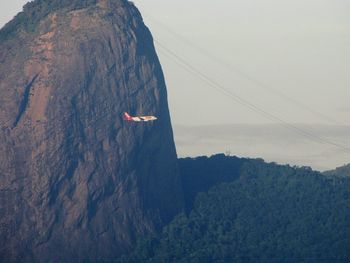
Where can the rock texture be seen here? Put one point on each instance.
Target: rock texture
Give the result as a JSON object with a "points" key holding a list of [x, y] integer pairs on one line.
{"points": [[77, 183]]}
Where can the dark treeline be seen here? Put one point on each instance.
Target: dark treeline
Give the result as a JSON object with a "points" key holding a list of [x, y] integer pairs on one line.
{"points": [[241, 210], [343, 171]]}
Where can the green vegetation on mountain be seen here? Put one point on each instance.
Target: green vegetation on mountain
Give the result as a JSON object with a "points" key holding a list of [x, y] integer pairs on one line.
{"points": [[34, 11], [200, 174], [343, 171], [262, 213]]}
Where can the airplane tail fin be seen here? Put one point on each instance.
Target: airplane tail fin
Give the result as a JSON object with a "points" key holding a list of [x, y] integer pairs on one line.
{"points": [[126, 116]]}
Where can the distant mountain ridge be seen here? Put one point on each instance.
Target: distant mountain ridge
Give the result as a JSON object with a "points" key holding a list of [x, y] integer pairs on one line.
{"points": [[265, 141], [343, 171]]}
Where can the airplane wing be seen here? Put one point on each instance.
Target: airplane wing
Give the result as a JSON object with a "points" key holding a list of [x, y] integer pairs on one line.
{"points": [[148, 118], [136, 119]]}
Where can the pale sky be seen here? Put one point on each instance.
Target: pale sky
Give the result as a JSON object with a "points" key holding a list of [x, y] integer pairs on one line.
{"points": [[298, 47], [299, 50]]}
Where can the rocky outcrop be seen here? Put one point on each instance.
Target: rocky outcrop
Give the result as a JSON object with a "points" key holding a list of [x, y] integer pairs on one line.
{"points": [[77, 183]]}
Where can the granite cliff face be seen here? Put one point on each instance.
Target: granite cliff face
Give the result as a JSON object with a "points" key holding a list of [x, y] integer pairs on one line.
{"points": [[76, 181]]}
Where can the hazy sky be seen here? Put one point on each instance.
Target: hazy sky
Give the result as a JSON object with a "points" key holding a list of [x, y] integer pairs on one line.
{"points": [[290, 58], [300, 48]]}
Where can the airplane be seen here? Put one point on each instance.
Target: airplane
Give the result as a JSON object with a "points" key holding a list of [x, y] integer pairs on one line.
{"points": [[127, 117]]}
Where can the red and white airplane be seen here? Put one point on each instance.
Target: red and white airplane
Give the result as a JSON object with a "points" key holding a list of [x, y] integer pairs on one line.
{"points": [[127, 117]]}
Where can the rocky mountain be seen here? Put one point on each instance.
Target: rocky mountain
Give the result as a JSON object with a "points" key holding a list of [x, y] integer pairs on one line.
{"points": [[77, 183]]}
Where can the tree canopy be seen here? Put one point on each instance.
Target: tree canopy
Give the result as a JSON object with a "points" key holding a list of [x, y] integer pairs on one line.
{"points": [[264, 213]]}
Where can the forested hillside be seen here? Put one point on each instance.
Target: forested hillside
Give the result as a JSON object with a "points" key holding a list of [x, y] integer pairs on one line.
{"points": [[258, 212], [343, 171]]}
